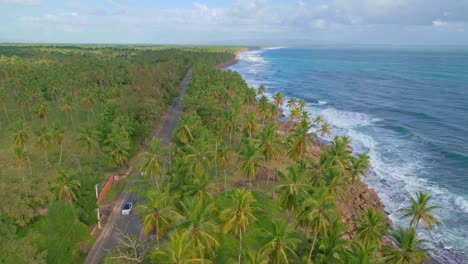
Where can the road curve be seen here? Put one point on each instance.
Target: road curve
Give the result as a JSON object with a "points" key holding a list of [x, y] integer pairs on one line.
{"points": [[130, 224]]}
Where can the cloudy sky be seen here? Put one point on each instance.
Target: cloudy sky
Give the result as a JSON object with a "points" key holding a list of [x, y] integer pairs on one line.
{"points": [[276, 22]]}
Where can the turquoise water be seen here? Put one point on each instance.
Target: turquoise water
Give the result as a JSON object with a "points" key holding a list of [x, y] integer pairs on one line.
{"points": [[407, 108]]}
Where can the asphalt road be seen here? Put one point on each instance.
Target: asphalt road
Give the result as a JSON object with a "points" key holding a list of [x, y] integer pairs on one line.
{"points": [[130, 224]]}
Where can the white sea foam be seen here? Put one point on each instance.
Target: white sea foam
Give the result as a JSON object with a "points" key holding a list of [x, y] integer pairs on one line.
{"points": [[461, 203]]}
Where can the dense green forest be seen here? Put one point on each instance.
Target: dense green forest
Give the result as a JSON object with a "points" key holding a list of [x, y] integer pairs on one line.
{"points": [[70, 117], [244, 187]]}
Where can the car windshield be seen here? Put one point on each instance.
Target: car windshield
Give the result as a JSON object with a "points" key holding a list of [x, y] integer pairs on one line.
{"points": [[126, 206]]}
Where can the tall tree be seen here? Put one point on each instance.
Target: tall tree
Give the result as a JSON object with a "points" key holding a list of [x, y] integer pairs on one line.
{"points": [[261, 90], [198, 159], [281, 243], [407, 247], [278, 98], [300, 140], [371, 227], [58, 135], [88, 139], [43, 139], [153, 160], [420, 210], [293, 188], [251, 160], [198, 222], [21, 136], [317, 214], [250, 124], [65, 187], [68, 104], [291, 104], [42, 110], [270, 146], [239, 215], [359, 166], [158, 214], [3, 97]]}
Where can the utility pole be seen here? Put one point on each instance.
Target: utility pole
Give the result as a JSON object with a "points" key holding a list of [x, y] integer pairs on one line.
{"points": [[97, 210]]}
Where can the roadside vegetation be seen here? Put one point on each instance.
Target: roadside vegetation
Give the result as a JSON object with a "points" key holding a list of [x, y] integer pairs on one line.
{"points": [[70, 117], [240, 186]]}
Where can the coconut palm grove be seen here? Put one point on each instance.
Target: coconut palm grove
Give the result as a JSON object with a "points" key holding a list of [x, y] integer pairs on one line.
{"points": [[238, 181]]}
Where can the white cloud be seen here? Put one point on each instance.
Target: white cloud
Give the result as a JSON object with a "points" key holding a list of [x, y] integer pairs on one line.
{"points": [[448, 25], [21, 2]]}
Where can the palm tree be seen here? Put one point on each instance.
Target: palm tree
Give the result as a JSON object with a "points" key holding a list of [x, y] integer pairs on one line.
{"points": [[294, 114], [3, 97], [88, 100], [231, 123], [281, 243], [239, 215], [270, 146], [291, 103], [65, 188], [279, 100], [294, 187], [223, 159], [371, 227], [177, 251], [301, 140], [198, 222], [157, 213], [361, 254], [69, 106], [250, 124], [198, 159], [58, 135], [340, 154], [251, 160], [419, 210], [261, 90], [119, 149], [43, 139], [332, 247], [88, 139], [183, 131], [152, 160], [255, 257], [319, 120], [42, 110], [263, 108], [334, 182], [317, 214], [302, 104], [324, 129], [359, 166], [407, 247], [21, 136]]}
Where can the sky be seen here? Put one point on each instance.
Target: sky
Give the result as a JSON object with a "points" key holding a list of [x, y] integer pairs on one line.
{"points": [[236, 22]]}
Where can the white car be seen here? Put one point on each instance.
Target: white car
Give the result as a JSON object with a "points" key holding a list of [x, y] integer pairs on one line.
{"points": [[127, 208]]}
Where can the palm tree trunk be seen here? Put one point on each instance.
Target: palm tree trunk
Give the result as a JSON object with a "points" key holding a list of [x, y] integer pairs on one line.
{"points": [[215, 160], [29, 161], [156, 181], [225, 181], [240, 245], [94, 114], [312, 248], [269, 171], [46, 158], [6, 112], [61, 151]]}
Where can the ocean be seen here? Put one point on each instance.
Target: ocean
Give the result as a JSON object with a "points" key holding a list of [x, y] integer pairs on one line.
{"points": [[406, 107]]}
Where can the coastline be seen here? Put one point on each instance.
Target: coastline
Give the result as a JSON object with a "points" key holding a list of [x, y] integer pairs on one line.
{"points": [[358, 196]]}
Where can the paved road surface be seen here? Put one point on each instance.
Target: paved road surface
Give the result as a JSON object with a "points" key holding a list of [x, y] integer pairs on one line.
{"points": [[130, 224]]}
